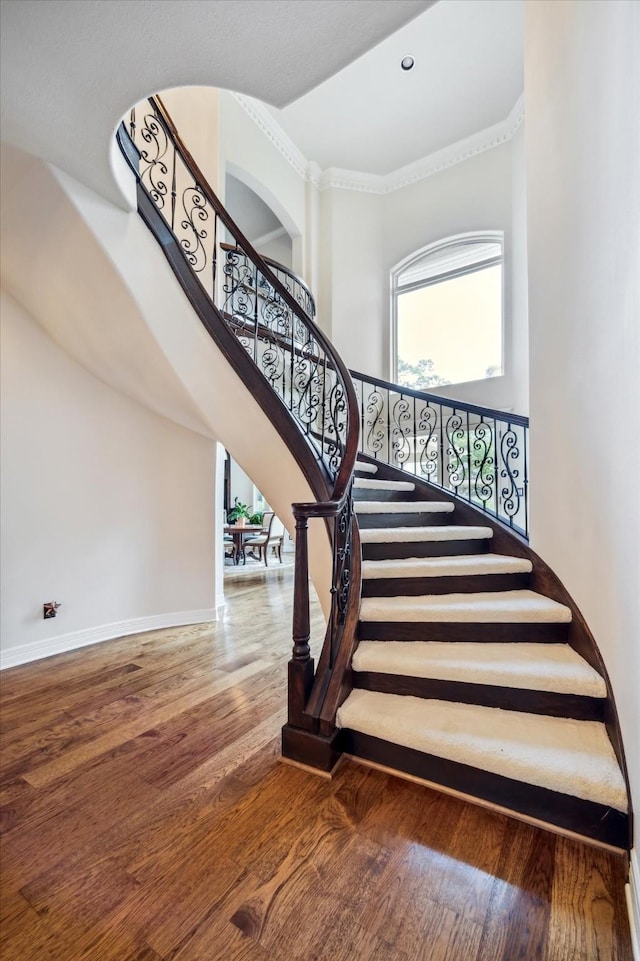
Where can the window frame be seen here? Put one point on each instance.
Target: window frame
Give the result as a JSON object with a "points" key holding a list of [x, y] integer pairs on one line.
{"points": [[457, 240]]}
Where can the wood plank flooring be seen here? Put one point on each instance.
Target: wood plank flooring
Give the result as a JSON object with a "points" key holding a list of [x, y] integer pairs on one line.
{"points": [[145, 817]]}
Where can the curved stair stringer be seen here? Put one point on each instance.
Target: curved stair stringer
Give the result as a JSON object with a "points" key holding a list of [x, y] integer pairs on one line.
{"points": [[592, 823], [140, 334]]}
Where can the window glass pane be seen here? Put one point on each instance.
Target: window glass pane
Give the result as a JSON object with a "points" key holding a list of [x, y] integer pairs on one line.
{"points": [[451, 332], [448, 258]]}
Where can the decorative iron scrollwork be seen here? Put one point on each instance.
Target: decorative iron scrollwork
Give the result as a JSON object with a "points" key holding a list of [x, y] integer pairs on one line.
{"points": [[342, 575], [153, 167], [196, 215], [483, 462], [400, 430], [510, 452], [427, 428], [375, 422], [474, 453], [456, 450]]}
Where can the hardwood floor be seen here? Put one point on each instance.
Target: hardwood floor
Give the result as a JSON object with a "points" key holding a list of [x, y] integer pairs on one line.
{"points": [[145, 817]]}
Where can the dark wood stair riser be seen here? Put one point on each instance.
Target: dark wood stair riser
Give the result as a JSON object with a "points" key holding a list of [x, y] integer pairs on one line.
{"points": [[462, 631], [410, 519], [399, 550], [416, 586], [589, 820], [576, 706], [373, 494]]}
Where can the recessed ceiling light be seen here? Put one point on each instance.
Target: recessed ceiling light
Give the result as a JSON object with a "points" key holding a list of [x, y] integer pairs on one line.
{"points": [[407, 63]]}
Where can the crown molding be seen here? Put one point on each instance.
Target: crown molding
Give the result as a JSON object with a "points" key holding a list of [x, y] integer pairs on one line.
{"points": [[272, 130], [500, 133], [434, 163], [336, 178]]}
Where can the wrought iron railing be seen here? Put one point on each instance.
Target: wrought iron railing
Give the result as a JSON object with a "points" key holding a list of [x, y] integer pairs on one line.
{"points": [[269, 319], [243, 301], [475, 453]]}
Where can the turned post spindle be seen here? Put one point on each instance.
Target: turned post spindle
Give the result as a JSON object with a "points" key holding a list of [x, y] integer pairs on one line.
{"points": [[301, 666], [301, 622]]}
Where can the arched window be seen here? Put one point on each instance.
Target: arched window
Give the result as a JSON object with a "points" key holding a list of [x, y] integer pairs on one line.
{"points": [[447, 312]]}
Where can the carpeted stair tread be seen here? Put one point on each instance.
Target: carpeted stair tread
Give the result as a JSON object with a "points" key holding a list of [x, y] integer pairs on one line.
{"points": [[366, 468], [369, 483], [403, 507], [451, 532], [504, 607], [557, 753], [463, 565], [535, 667]]}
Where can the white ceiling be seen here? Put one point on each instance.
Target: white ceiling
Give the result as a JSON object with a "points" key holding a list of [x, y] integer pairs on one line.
{"points": [[374, 117], [72, 68]]}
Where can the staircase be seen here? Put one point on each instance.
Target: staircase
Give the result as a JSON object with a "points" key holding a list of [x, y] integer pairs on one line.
{"points": [[463, 676], [452, 654]]}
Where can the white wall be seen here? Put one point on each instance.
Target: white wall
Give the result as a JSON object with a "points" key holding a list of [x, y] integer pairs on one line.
{"points": [[364, 235], [353, 299], [106, 506], [250, 156], [241, 485], [195, 112], [279, 249], [345, 242], [97, 281], [252, 215], [519, 275], [473, 195], [582, 86]]}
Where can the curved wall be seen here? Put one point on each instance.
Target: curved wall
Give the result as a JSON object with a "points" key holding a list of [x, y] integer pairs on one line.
{"points": [[106, 505], [95, 279], [583, 156]]}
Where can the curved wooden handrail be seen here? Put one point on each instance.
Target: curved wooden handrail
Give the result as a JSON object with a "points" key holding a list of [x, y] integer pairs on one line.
{"points": [[330, 472], [349, 457]]}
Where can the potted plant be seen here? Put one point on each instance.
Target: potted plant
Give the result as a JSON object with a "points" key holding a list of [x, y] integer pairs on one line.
{"points": [[239, 514]]}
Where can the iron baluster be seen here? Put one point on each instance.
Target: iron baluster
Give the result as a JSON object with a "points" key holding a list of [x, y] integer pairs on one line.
{"points": [[173, 190], [324, 401], [468, 459], [440, 445], [496, 441], [214, 261], [292, 404], [415, 441], [525, 482]]}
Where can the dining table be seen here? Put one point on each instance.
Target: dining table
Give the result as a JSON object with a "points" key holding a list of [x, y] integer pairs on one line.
{"points": [[239, 532]]}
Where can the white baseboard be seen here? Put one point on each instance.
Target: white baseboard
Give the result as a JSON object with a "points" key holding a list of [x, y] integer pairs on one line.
{"points": [[36, 650], [633, 904]]}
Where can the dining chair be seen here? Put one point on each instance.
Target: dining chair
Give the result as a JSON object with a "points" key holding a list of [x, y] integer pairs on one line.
{"points": [[269, 537], [229, 543]]}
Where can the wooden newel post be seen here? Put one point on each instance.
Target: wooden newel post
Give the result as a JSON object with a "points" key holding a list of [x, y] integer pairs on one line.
{"points": [[301, 663]]}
